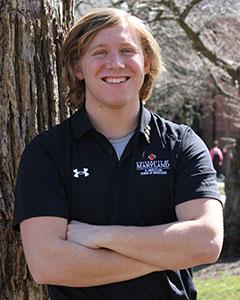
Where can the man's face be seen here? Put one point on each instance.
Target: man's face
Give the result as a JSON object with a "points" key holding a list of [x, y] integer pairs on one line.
{"points": [[113, 67]]}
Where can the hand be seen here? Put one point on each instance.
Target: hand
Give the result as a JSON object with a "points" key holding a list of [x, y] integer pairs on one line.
{"points": [[84, 234]]}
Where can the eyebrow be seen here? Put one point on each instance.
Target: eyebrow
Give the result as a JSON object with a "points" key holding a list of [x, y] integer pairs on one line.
{"points": [[98, 46], [105, 45]]}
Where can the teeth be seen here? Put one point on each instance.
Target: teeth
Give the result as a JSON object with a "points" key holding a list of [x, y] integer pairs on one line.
{"points": [[115, 80]]}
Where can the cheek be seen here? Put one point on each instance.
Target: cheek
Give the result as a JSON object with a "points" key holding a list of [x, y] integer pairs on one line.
{"points": [[93, 68], [138, 64]]}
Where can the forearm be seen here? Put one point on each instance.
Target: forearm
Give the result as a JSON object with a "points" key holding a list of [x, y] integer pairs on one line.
{"points": [[70, 264], [171, 246], [193, 240]]}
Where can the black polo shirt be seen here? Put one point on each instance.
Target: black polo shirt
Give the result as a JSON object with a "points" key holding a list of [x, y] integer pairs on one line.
{"points": [[72, 171]]}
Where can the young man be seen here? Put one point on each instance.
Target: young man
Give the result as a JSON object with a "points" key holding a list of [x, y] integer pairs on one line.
{"points": [[116, 202]]}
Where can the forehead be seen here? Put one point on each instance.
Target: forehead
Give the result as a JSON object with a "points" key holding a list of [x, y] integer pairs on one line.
{"points": [[120, 33]]}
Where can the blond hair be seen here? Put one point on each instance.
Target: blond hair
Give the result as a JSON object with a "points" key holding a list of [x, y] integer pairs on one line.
{"points": [[81, 34]]}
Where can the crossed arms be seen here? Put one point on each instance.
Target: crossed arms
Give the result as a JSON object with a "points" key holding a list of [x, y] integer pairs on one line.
{"points": [[81, 254]]}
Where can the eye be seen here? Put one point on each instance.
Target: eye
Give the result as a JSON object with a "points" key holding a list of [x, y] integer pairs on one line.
{"points": [[128, 51], [100, 52]]}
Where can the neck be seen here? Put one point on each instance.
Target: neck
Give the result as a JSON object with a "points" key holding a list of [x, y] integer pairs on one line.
{"points": [[114, 122]]}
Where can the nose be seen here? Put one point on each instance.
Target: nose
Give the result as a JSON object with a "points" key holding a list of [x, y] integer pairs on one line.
{"points": [[115, 61]]}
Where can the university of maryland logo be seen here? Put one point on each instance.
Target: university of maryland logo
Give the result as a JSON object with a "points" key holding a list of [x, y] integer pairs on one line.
{"points": [[153, 166]]}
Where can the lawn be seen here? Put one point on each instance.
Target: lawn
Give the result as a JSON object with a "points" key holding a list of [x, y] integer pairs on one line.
{"points": [[223, 287], [218, 281]]}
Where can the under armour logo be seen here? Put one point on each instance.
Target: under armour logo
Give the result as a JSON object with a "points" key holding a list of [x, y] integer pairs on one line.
{"points": [[80, 173]]}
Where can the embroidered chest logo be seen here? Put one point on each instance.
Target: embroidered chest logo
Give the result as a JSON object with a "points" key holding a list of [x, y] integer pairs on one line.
{"points": [[80, 173], [152, 166]]}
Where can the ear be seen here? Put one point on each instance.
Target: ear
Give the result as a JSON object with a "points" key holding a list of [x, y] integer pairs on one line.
{"points": [[146, 65], [77, 71]]}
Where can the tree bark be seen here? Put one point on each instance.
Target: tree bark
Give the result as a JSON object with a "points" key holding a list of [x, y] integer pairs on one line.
{"points": [[31, 100], [232, 208]]}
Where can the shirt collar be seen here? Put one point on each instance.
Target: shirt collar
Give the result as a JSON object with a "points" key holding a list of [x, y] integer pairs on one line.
{"points": [[144, 123], [81, 123]]}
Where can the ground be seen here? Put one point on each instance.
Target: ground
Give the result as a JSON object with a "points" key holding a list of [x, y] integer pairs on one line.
{"points": [[228, 267], [222, 267]]}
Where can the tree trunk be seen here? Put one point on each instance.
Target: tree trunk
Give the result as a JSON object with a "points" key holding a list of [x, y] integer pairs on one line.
{"points": [[31, 100], [232, 208]]}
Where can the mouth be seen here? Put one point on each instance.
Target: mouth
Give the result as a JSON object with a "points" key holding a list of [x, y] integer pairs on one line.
{"points": [[116, 80]]}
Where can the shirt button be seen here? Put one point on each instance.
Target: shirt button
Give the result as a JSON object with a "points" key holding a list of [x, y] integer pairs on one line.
{"points": [[110, 151]]}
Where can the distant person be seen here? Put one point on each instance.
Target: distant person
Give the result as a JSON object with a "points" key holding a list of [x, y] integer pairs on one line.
{"points": [[217, 159], [116, 203]]}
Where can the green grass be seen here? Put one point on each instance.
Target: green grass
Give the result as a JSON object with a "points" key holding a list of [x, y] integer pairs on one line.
{"points": [[221, 189], [224, 287]]}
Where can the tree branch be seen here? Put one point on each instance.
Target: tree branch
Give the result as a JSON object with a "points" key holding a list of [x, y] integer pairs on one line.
{"points": [[199, 46], [188, 8], [77, 4], [159, 18], [172, 6], [219, 86], [197, 43]]}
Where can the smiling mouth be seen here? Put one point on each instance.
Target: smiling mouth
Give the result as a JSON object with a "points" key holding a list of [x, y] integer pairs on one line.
{"points": [[116, 80]]}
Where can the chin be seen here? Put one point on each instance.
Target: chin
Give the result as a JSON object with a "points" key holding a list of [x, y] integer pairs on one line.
{"points": [[116, 103]]}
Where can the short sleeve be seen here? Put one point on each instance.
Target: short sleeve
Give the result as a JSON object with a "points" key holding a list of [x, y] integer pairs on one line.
{"points": [[195, 175], [40, 189]]}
